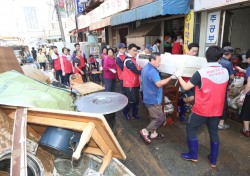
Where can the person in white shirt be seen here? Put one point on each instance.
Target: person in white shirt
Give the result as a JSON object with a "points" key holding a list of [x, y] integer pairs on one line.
{"points": [[156, 46]]}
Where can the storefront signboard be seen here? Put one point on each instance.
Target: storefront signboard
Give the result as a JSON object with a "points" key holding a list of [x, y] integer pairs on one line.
{"points": [[213, 24], [111, 7], [79, 7], [95, 15], [205, 4], [188, 30], [83, 21]]}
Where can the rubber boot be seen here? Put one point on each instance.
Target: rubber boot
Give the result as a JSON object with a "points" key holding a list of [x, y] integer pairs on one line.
{"points": [[192, 155], [126, 112], [135, 112], [182, 113], [214, 150]]}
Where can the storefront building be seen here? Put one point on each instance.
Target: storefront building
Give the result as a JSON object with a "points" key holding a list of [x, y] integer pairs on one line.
{"points": [[223, 23], [148, 22]]}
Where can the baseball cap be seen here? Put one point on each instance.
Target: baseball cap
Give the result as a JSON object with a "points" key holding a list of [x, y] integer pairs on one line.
{"points": [[149, 47], [121, 45], [228, 49]]}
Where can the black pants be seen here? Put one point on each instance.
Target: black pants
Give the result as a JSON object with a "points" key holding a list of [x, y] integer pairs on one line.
{"points": [[122, 89], [195, 121], [42, 65], [225, 110], [66, 79], [133, 95], [59, 75], [84, 77]]}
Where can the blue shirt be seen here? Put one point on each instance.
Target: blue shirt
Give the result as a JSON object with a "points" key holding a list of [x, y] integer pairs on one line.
{"points": [[227, 65], [151, 93], [247, 75]]}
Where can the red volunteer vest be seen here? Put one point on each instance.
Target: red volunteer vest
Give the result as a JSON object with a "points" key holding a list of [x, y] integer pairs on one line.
{"points": [[79, 66], [130, 79], [57, 63], [67, 65], [82, 62], [177, 48], [210, 98], [119, 71]]}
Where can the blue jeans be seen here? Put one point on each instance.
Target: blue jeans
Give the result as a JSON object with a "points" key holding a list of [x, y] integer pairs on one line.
{"points": [[195, 121], [109, 84]]}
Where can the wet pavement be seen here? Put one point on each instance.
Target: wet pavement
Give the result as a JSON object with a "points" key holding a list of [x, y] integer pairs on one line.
{"points": [[162, 156]]}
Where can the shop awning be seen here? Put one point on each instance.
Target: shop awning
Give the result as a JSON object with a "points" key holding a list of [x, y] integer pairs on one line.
{"points": [[159, 7], [100, 24], [148, 29]]}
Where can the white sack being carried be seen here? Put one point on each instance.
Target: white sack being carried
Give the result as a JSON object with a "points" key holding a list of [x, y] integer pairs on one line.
{"points": [[172, 63]]}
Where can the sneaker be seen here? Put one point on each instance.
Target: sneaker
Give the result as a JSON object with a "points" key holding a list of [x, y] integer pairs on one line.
{"points": [[223, 127]]}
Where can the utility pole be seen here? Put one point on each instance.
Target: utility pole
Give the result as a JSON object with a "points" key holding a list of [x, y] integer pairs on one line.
{"points": [[60, 21]]}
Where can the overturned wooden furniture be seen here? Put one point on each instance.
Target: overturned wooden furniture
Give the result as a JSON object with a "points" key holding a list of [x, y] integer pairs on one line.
{"points": [[83, 88], [97, 137], [171, 90]]}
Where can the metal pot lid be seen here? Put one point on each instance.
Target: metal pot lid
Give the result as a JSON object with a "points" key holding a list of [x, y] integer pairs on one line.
{"points": [[102, 102]]}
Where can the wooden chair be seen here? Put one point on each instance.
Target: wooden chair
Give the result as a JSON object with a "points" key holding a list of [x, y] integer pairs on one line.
{"points": [[171, 90]]}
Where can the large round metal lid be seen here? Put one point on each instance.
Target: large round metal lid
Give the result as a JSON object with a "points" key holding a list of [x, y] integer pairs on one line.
{"points": [[102, 102]]}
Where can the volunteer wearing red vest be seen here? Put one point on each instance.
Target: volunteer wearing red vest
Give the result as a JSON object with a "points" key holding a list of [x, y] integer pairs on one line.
{"points": [[188, 96], [210, 85], [66, 66], [177, 46], [119, 64], [56, 64], [131, 83], [83, 61], [76, 62]]}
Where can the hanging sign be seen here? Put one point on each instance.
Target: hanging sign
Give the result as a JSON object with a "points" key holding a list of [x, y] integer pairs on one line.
{"points": [[213, 27], [188, 30]]}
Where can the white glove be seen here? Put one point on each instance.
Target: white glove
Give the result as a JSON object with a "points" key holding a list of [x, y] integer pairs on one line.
{"points": [[87, 65], [242, 98], [112, 70], [100, 68], [178, 73], [52, 70], [179, 70], [173, 77]]}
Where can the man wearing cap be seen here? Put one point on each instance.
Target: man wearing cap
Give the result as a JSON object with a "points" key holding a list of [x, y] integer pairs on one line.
{"points": [[225, 63], [131, 83], [119, 64]]}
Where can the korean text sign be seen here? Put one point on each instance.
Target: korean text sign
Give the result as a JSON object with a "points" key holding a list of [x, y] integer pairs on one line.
{"points": [[213, 26], [188, 30]]}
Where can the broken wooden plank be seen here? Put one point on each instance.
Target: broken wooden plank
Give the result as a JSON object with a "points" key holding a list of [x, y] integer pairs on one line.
{"points": [[85, 137], [19, 151]]}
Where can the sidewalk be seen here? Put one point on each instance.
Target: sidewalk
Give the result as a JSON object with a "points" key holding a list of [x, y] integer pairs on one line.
{"points": [[162, 156]]}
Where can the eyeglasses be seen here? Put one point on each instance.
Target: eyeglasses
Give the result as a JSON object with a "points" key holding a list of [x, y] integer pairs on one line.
{"points": [[134, 50]]}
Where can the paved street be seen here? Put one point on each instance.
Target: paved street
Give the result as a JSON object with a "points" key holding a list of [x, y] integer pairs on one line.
{"points": [[162, 157]]}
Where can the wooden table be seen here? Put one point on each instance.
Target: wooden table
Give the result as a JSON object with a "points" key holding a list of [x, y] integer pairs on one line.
{"points": [[83, 88], [87, 87]]}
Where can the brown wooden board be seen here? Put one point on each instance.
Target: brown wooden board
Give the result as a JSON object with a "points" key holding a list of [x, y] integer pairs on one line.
{"points": [[87, 88], [8, 60], [103, 137]]}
